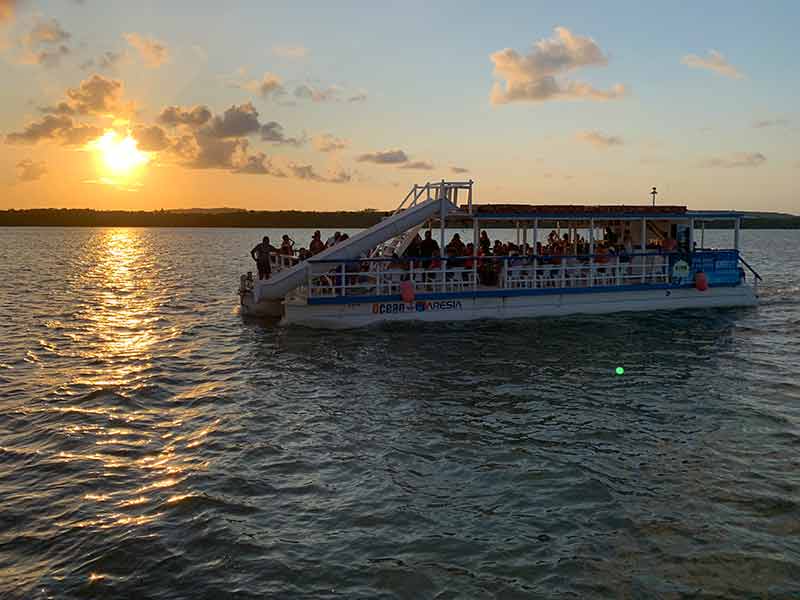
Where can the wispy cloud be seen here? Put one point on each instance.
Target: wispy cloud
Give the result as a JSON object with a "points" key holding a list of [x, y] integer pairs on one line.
{"points": [[734, 161], [420, 165], [30, 170], [294, 52], [8, 10], [458, 170], [599, 140], [270, 86], [385, 157], [771, 123], [45, 44], [327, 142], [539, 75], [153, 52], [714, 61]]}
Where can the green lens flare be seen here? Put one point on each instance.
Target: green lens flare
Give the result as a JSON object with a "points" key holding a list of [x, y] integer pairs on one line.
{"points": [[620, 371]]}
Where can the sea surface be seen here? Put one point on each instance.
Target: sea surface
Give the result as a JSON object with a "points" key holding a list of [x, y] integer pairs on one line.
{"points": [[155, 444]]}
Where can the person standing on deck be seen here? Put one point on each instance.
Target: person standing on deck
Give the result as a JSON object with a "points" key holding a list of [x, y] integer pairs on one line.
{"points": [[260, 254], [316, 245], [427, 248]]}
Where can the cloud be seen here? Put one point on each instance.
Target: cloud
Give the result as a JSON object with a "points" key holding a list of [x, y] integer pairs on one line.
{"points": [[79, 134], [273, 132], [358, 97], [308, 173], [420, 165], [306, 92], [46, 31], [715, 61], [107, 61], [534, 77], [386, 157], [58, 128], [237, 121], [735, 161], [269, 86], [290, 51], [153, 53], [29, 170], [459, 170], [151, 138], [326, 142], [45, 44], [46, 128], [214, 153], [8, 10], [94, 95], [196, 116], [771, 123], [599, 140], [258, 164]]}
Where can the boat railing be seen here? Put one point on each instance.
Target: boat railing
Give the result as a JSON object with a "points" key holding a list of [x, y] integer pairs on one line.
{"points": [[384, 275], [756, 276], [436, 189], [279, 261]]}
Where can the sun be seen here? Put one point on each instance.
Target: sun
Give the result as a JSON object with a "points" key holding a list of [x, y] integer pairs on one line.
{"points": [[119, 155]]}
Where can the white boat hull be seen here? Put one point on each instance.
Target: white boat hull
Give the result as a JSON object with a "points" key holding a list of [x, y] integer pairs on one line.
{"points": [[350, 315]]}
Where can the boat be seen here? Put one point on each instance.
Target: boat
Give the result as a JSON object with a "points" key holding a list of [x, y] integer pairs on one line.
{"points": [[610, 259]]}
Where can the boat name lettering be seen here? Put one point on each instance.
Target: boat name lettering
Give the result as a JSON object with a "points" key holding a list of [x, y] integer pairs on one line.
{"points": [[391, 308]]}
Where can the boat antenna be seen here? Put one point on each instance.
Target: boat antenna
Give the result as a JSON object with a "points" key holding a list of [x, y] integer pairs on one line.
{"points": [[653, 194]]}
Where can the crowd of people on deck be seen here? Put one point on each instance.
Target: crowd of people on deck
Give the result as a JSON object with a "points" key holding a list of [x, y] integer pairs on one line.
{"points": [[425, 252], [262, 251]]}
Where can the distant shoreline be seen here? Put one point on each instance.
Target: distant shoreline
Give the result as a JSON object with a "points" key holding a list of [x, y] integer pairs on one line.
{"points": [[287, 219]]}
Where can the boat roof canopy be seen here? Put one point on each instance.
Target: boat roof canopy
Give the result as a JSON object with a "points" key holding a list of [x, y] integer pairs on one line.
{"points": [[601, 212]]}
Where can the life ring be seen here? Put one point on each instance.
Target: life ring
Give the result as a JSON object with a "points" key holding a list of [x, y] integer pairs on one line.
{"points": [[701, 281], [407, 291]]}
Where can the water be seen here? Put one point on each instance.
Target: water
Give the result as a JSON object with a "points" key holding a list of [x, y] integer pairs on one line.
{"points": [[156, 445]]}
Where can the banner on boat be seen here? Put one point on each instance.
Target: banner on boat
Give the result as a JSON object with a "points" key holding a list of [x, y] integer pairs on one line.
{"points": [[390, 308]]}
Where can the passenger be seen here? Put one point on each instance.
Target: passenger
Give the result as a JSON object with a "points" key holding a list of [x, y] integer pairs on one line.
{"points": [[316, 245], [303, 254], [456, 246], [469, 256], [343, 238], [333, 240], [670, 245], [260, 254], [485, 243], [498, 248], [287, 246], [436, 259], [413, 250], [427, 247]]}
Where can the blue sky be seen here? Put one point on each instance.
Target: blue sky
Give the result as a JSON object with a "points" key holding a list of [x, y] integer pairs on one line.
{"points": [[426, 74]]}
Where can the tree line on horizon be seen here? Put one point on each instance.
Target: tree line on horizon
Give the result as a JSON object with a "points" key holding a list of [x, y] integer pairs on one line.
{"points": [[80, 217]]}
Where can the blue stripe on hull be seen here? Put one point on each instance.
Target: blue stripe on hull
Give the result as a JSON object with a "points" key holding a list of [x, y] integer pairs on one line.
{"points": [[507, 293]]}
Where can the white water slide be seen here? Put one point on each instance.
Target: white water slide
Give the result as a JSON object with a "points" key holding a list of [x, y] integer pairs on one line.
{"points": [[283, 282]]}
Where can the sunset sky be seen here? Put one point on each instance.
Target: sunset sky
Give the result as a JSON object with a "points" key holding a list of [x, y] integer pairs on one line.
{"points": [[344, 105]]}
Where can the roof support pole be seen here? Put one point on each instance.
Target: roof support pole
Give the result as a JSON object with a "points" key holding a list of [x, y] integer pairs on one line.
{"points": [[737, 226], [442, 213], [702, 234], [644, 249], [535, 249], [516, 227], [469, 197], [691, 234], [591, 252]]}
